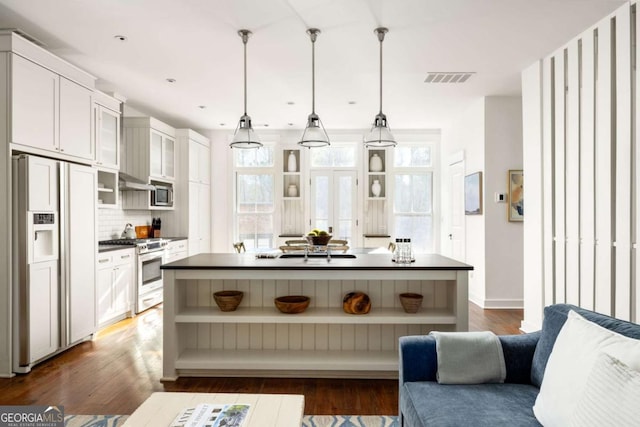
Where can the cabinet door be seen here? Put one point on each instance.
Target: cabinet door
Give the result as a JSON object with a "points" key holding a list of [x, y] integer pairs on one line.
{"points": [[43, 184], [168, 168], [81, 248], [75, 120], [34, 94], [155, 155], [43, 309], [204, 195], [204, 166], [122, 287], [107, 137], [194, 161], [104, 293]]}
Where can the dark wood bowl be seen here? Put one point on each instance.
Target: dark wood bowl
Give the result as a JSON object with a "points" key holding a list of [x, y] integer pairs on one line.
{"points": [[228, 300], [319, 240], [292, 304]]}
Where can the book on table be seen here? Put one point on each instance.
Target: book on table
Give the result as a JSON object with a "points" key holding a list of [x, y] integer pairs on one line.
{"points": [[212, 415]]}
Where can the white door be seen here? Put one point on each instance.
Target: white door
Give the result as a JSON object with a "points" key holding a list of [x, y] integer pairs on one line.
{"points": [[334, 202], [43, 309], [456, 211], [34, 94], [76, 108], [80, 250]]}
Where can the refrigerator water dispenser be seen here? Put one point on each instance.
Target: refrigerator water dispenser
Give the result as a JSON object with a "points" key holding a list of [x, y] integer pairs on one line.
{"points": [[44, 238]]}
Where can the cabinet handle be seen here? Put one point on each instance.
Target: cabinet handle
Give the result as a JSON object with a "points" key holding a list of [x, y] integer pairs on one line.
{"points": [[125, 256], [103, 260]]}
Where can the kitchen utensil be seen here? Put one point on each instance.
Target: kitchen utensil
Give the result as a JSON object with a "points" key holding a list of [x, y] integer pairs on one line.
{"points": [[129, 232]]}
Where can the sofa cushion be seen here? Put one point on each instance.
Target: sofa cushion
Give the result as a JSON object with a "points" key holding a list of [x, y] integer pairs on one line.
{"points": [[554, 318], [574, 354], [611, 384], [431, 404]]}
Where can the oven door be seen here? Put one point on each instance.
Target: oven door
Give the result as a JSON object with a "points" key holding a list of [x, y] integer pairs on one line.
{"points": [[149, 273]]}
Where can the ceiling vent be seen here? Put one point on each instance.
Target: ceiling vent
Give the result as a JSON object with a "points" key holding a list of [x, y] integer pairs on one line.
{"points": [[448, 77]]}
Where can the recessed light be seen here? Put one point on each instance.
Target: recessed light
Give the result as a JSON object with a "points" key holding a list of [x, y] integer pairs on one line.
{"points": [[291, 103], [352, 102], [290, 124], [222, 124], [266, 125], [170, 80], [120, 38], [202, 107]]}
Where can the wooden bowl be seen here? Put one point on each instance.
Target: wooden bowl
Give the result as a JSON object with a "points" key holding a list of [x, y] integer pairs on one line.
{"points": [[292, 304], [228, 300], [411, 302], [319, 240], [356, 303]]}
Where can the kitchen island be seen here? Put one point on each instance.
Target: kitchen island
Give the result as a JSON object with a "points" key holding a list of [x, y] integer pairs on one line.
{"points": [[257, 340]]}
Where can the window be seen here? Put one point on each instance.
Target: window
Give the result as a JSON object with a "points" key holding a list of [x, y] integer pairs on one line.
{"points": [[334, 156], [255, 193], [413, 195]]}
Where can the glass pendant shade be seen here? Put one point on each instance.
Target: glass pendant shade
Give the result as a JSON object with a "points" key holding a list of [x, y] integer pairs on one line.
{"points": [[245, 136], [314, 134], [380, 135]]}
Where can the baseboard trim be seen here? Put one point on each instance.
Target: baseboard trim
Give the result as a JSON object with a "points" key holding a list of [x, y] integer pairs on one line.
{"points": [[497, 303]]}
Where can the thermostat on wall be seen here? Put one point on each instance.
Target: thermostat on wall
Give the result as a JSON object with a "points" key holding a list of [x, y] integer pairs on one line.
{"points": [[500, 197]]}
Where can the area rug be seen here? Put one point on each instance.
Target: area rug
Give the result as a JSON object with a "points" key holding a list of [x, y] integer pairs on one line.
{"points": [[307, 421]]}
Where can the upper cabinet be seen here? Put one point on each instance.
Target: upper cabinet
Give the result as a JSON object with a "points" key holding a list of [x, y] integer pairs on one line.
{"points": [[50, 103], [148, 149], [106, 114]]}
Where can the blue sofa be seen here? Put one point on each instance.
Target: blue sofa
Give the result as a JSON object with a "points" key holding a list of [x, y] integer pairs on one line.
{"points": [[423, 402]]}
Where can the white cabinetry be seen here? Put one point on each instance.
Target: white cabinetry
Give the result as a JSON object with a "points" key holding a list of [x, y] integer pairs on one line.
{"points": [[147, 154], [49, 112], [375, 194], [194, 203], [116, 278], [44, 320], [176, 250], [106, 116]]}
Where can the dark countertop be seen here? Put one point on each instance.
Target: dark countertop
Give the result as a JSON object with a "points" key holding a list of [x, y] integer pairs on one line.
{"points": [[248, 261], [108, 248], [173, 239]]}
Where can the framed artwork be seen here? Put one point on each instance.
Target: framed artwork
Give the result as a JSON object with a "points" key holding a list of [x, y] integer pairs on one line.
{"points": [[473, 194], [516, 196]]}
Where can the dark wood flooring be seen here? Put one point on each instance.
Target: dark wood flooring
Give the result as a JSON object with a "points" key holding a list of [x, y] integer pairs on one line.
{"points": [[117, 371]]}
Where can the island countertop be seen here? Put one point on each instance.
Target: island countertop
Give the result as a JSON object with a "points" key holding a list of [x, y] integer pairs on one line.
{"points": [[225, 261]]}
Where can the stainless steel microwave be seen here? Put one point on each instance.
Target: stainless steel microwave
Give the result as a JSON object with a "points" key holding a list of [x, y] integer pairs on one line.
{"points": [[162, 196]]}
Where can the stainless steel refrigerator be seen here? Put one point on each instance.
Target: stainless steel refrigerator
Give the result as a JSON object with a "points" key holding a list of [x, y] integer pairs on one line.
{"points": [[54, 252]]}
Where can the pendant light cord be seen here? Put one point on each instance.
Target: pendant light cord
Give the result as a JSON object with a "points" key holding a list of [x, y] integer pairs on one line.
{"points": [[313, 74], [244, 41], [381, 38]]}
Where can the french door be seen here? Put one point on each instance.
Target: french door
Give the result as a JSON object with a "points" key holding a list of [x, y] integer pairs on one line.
{"points": [[334, 202]]}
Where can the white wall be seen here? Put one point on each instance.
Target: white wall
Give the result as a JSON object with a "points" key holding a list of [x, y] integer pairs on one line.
{"points": [[580, 149], [489, 131]]}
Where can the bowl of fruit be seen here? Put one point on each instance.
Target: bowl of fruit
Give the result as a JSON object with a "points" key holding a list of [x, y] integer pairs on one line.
{"points": [[318, 237]]}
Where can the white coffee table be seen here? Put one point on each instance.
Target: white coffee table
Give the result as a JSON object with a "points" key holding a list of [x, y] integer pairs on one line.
{"points": [[277, 410]]}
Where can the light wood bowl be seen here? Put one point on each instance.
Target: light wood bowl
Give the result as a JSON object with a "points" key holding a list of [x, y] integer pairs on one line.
{"points": [[292, 304], [411, 302]]}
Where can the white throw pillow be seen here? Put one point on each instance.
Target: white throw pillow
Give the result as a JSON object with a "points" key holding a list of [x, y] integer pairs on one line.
{"points": [[611, 396], [572, 358]]}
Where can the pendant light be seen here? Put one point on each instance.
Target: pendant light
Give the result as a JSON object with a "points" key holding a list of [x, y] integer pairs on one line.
{"points": [[245, 136], [314, 134], [380, 133]]}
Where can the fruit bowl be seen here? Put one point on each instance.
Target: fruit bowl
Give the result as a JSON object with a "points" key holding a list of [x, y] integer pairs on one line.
{"points": [[228, 300], [321, 240], [292, 304]]}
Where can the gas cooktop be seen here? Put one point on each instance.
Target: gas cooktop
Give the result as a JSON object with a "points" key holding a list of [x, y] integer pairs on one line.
{"points": [[129, 242]]}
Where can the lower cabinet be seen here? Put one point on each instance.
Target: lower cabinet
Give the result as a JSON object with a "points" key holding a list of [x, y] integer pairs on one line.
{"points": [[176, 250], [116, 278]]}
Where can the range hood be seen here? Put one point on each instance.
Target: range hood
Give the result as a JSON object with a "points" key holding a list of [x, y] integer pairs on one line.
{"points": [[128, 182]]}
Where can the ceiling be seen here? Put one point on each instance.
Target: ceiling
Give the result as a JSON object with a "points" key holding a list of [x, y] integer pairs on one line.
{"points": [[196, 43]]}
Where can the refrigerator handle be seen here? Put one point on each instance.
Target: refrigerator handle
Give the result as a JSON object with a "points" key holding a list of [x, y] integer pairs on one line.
{"points": [[35, 237]]}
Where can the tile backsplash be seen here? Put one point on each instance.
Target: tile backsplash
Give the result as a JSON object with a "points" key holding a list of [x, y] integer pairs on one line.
{"points": [[111, 222]]}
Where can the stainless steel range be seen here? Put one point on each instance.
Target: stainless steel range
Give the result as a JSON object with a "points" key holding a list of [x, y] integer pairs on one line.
{"points": [[150, 253]]}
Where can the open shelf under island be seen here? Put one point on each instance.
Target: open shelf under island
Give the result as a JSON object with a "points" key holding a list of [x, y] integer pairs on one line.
{"points": [[257, 340]]}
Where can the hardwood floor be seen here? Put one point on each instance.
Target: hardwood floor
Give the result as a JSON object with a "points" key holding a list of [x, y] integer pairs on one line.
{"points": [[117, 371]]}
